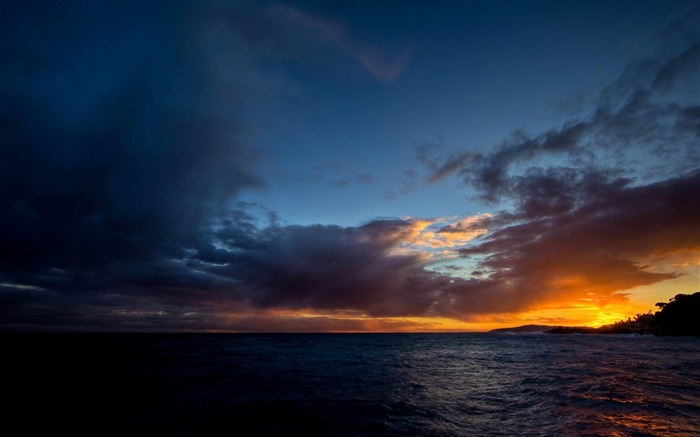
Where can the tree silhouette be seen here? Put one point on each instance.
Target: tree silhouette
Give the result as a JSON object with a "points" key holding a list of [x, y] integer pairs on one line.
{"points": [[680, 316]]}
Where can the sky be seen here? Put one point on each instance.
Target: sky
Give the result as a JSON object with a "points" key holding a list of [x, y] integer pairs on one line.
{"points": [[346, 166]]}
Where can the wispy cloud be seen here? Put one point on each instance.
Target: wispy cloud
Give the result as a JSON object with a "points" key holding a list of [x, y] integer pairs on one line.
{"points": [[275, 33], [380, 65], [338, 175]]}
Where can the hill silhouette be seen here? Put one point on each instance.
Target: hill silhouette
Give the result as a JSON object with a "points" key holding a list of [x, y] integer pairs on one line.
{"points": [[524, 329]]}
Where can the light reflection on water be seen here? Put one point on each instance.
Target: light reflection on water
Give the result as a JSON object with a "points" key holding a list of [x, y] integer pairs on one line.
{"points": [[402, 384]]}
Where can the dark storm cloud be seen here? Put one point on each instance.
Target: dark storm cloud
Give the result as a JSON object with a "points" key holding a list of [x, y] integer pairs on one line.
{"points": [[330, 267], [123, 142], [125, 132], [115, 149], [277, 267]]}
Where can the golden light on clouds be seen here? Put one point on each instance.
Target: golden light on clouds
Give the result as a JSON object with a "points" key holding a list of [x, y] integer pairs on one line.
{"points": [[438, 238]]}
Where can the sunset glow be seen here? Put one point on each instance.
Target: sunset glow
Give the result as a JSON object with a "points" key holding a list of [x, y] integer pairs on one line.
{"points": [[311, 166]]}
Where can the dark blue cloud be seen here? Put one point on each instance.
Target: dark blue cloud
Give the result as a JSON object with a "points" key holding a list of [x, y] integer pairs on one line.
{"points": [[115, 148], [125, 131]]}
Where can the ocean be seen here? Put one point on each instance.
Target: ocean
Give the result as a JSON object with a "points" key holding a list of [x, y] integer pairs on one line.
{"points": [[475, 384]]}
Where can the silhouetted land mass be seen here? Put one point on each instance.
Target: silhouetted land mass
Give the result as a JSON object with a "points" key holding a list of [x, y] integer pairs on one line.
{"points": [[572, 330], [680, 316], [525, 328]]}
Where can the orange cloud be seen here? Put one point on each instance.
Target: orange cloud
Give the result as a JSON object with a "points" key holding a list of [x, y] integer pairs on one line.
{"points": [[428, 237]]}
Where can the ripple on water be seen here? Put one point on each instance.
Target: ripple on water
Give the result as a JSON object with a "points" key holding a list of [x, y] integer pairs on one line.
{"points": [[368, 385]]}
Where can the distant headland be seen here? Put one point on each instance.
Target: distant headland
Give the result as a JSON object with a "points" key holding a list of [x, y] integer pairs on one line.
{"points": [[680, 316]]}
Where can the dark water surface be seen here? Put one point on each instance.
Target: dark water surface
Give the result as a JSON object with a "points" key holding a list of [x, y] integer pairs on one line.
{"points": [[352, 384]]}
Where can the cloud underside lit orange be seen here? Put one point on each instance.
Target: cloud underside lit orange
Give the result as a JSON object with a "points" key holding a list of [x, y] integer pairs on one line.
{"points": [[314, 322], [609, 256], [573, 309]]}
